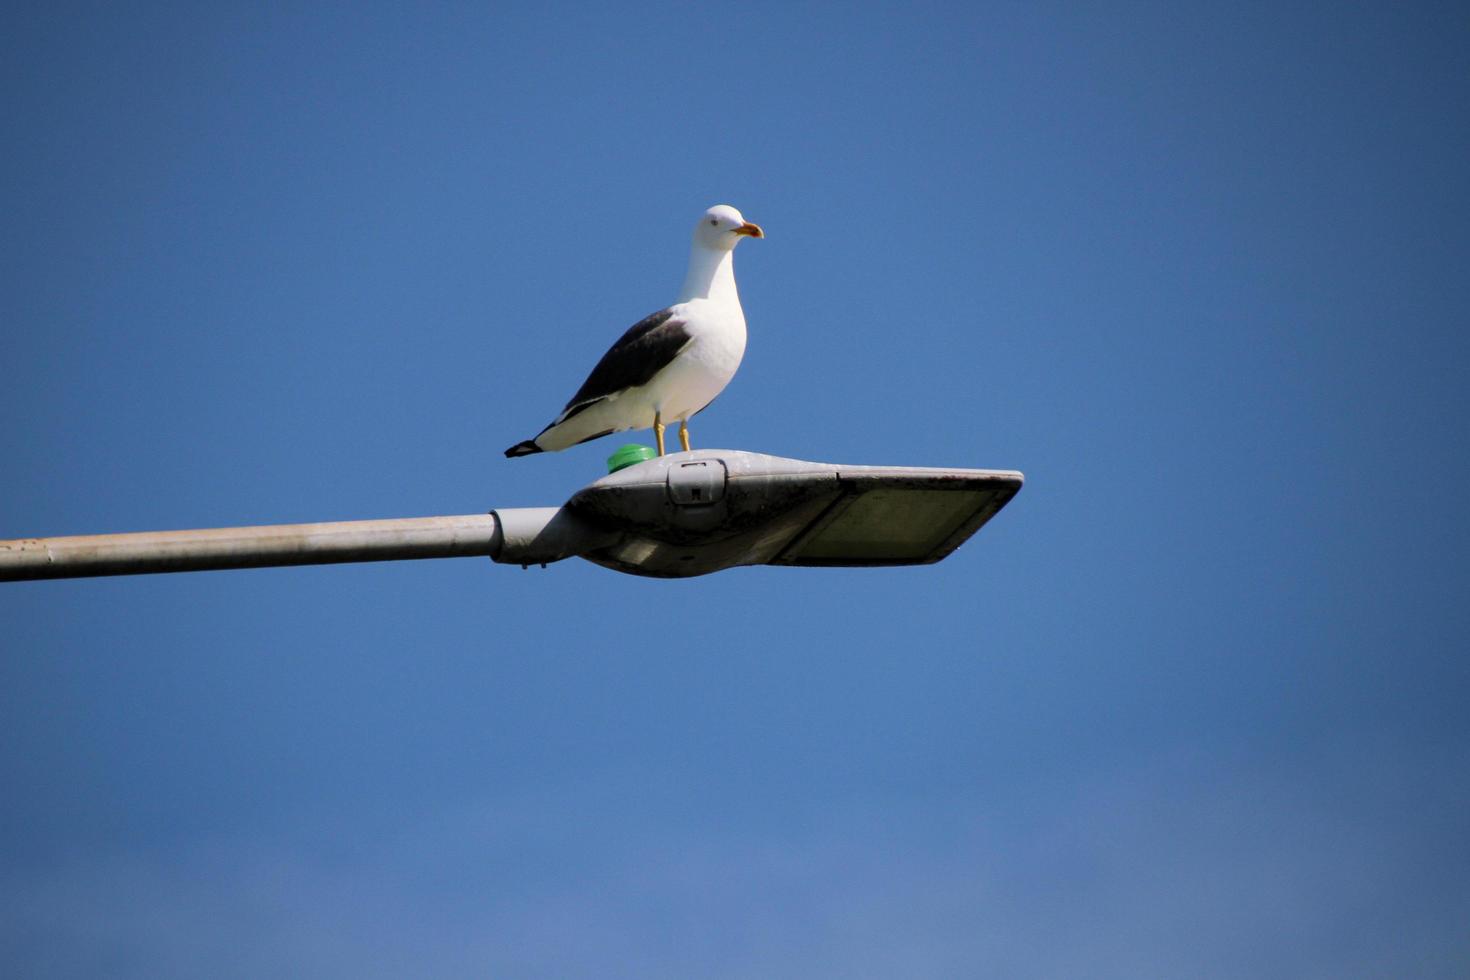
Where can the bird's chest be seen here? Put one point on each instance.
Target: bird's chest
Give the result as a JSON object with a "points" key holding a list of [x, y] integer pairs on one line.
{"points": [[717, 341], [703, 368]]}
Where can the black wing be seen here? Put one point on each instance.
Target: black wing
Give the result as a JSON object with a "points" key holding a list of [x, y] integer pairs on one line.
{"points": [[648, 347]]}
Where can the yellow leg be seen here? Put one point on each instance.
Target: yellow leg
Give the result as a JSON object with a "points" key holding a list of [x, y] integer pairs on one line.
{"points": [[684, 434], [658, 433]]}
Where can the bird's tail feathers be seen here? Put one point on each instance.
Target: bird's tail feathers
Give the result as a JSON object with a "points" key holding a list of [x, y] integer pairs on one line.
{"points": [[523, 449]]}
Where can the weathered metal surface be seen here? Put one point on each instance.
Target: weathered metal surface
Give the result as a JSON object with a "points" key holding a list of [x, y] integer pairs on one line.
{"points": [[679, 515], [462, 536], [697, 512], [540, 535]]}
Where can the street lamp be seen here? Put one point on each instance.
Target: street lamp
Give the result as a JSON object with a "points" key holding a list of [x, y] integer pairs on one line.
{"points": [[674, 516]]}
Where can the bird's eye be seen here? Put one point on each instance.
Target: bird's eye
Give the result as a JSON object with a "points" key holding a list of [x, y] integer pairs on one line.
{"points": [[714, 221]]}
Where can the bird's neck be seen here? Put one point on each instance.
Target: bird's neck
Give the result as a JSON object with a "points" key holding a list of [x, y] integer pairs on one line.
{"points": [[711, 276]]}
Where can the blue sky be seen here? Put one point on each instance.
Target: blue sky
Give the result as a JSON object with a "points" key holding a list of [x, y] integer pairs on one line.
{"points": [[1194, 704]]}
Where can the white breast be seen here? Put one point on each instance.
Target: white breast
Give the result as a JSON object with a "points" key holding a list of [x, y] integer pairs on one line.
{"points": [[706, 366]]}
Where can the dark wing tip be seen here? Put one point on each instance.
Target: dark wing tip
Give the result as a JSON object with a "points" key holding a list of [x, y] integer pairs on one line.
{"points": [[523, 449]]}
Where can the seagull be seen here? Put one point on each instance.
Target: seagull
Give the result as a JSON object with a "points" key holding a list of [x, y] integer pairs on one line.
{"points": [[670, 365]]}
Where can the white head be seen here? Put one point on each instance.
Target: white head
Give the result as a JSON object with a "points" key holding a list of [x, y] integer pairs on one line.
{"points": [[722, 227]]}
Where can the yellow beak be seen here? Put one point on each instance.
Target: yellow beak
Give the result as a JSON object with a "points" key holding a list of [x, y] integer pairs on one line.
{"points": [[752, 229]]}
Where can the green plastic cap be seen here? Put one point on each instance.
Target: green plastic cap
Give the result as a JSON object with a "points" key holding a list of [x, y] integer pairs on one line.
{"points": [[627, 455]]}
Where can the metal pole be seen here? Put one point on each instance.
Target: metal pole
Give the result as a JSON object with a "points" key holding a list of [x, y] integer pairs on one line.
{"points": [[250, 547]]}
